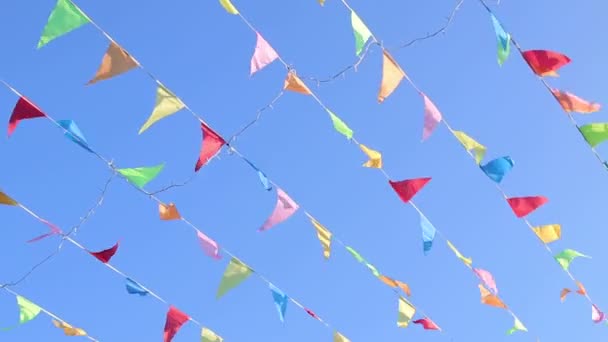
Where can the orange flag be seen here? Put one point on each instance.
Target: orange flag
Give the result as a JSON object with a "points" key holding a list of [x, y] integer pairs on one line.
{"points": [[115, 62], [489, 299], [392, 75], [573, 103], [294, 83], [6, 199], [168, 212], [396, 284], [581, 291]]}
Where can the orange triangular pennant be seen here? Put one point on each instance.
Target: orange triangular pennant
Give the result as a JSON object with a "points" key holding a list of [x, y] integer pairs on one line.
{"points": [[115, 62], [168, 212], [294, 83], [391, 77]]}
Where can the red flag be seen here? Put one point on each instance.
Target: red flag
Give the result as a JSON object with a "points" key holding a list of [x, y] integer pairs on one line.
{"points": [[105, 255], [175, 320], [311, 313], [23, 110], [427, 324], [523, 206], [408, 188], [545, 62], [212, 143]]}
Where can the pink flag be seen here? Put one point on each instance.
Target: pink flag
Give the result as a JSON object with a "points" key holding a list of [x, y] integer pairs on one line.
{"points": [[283, 210], [263, 55], [487, 279], [427, 324], [209, 246], [54, 231], [596, 315], [432, 117]]}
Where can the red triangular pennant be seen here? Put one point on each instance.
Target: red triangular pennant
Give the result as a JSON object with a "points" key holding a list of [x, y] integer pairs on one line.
{"points": [[212, 143], [408, 188], [175, 320], [427, 324], [523, 206], [105, 255], [23, 110], [545, 62]]}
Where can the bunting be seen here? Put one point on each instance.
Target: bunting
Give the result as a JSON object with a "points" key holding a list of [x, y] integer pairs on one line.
{"points": [[544, 62], [375, 158], [406, 313], [595, 133], [596, 315], [73, 133], [24, 110], [324, 236], [283, 210], [427, 324], [212, 143], [235, 274], [581, 291], [503, 39], [106, 255], [134, 288], [498, 168], [116, 61], [340, 126], [339, 337], [490, 299], [229, 7], [209, 246], [487, 278], [471, 145], [396, 284], [407, 189], [166, 104], [428, 234], [295, 84], [208, 335], [572, 103], [140, 176], [523, 206], [168, 212], [432, 117], [69, 330], [548, 233], [392, 75], [263, 55], [7, 200], [27, 310], [517, 326], [565, 257], [175, 320], [362, 33], [64, 18], [465, 260], [280, 301]]}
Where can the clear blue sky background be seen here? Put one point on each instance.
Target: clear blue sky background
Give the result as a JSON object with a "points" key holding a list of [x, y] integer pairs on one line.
{"points": [[203, 55]]}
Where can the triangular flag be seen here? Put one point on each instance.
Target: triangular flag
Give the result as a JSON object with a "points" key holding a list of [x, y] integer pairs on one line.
{"points": [[324, 236], [209, 246], [566, 257], [134, 288], [489, 299], [229, 7], [503, 39], [284, 208], [428, 234], [408, 188], [208, 335], [168, 212], [373, 269], [406, 313], [375, 158], [581, 291], [339, 337], [106, 255], [522, 206], [235, 274], [396, 284], [6, 199], [573, 103], [69, 330], [280, 300], [263, 55], [427, 324], [496, 169], [311, 313], [166, 104], [517, 326], [355, 254], [54, 230], [64, 18], [340, 126], [595, 133], [295, 84], [545, 62], [261, 175], [175, 320], [27, 310], [212, 143], [432, 117], [362, 33], [465, 260], [24, 109], [596, 315], [115, 62], [548, 233], [73, 133], [471, 145], [322, 2], [392, 75], [487, 278], [140, 176]]}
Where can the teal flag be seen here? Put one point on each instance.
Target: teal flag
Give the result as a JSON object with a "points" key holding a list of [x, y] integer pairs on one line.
{"points": [[504, 40]]}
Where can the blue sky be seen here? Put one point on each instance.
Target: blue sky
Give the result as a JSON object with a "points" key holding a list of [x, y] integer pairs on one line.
{"points": [[203, 55]]}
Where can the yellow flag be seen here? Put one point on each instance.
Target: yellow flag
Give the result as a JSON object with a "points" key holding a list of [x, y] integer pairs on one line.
{"points": [[340, 338], [549, 233], [321, 2], [406, 313], [324, 236], [68, 330], [375, 158], [166, 104], [209, 336], [295, 84], [115, 62], [229, 7], [471, 145], [467, 261], [6, 199], [392, 75]]}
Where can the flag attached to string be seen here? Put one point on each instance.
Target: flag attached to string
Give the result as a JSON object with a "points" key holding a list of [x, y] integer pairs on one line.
{"points": [[396, 284], [486, 278], [283, 210], [548, 233], [339, 337], [168, 212], [375, 158], [324, 236], [497, 169], [295, 84], [392, 75], [340, 126], [503, 39], [581, 291], [517, 326], [432, 117], [207, 335], [427, 324], [428, 234], [27, 310], [490, 299], [116, 61], [140, 176], [572, 103], [355, 254], [235, 274], [594, 133], [175, 320], [408, 188], [7, 200], [73, 133], [64, 18], [263, 55], [209, 246], [166, 104], [210, 146], [545, 62], [406, 313], [280, 301], [69, 330], [362, 33], [134, 288], [465, 260], [471, 145], [229, 7], [523, 206], [24, 110], [565, 257], [597, 316], [261, 175], [106, 255], [53, 230]]}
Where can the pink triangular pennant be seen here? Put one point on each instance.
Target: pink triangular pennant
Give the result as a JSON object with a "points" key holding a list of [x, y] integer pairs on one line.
{"points": [[54, 231], [283, 210], [487, 278], [432, 117], [263, 55], [596, 315], [208, 245]]}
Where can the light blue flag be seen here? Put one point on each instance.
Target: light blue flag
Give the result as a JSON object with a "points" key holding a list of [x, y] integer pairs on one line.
{"points": [[261, 175], [428, 234], [504, 40], [498, 168], [73, 133], [135, 288], [280, 300]]}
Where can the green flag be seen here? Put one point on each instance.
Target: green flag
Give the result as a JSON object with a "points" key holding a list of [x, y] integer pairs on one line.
{"points": [[373, 268], [355, 254], [235, 274], [340, 126], [362, 33], [567, 256], [517, 326], [595, 133], [27, 310], [140, 176], [65, 17]]}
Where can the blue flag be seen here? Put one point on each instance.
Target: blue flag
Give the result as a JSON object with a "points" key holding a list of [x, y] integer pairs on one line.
{"points": [[428, 234], [280, 300], [498, 168], [135, 288], [73, 133]]}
